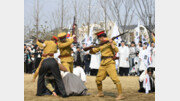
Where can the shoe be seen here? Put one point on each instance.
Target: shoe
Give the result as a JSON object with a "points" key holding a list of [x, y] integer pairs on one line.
{"points": [[120, 97], [100, 94]]}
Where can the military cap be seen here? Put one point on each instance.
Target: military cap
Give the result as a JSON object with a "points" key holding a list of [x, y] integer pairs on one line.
{"points": [[62, 35]]}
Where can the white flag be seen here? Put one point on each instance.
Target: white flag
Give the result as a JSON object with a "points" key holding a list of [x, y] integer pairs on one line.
{"points": [[146, 84], [137, 32], [115, 32]]}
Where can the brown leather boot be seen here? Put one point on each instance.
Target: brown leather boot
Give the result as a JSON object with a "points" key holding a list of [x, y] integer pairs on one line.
{"points": [[120, 97], [119, 88], [100, 94]]}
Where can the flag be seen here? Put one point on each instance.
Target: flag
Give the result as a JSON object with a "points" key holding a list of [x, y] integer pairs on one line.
{"points": [[115, 32], [146, 84], [137, 32], [91, 33], [68, 34]]}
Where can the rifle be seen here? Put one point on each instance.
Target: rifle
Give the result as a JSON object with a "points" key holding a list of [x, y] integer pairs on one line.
{"points": [[34, 38], [97, 45]]}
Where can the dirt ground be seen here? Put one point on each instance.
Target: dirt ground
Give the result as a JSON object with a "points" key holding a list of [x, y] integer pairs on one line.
{"points": [[130, 87]]}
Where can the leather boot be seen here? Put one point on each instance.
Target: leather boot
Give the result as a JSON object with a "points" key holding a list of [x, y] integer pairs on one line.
{"points": [[100, 92], [119, 88]]}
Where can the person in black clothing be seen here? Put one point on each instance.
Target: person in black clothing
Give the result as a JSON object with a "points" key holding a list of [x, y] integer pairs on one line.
{"points": [[87, 59], [38, 55], [50, 66], [151, 79], [79, 57]]}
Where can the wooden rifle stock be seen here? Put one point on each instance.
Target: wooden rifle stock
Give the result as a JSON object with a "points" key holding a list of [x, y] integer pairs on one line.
{"points": [[93, 46]]}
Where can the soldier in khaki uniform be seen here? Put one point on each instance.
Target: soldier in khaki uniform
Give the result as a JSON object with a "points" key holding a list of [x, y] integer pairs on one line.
{"points": [[107, 65], [49, 48], [64, 46]]}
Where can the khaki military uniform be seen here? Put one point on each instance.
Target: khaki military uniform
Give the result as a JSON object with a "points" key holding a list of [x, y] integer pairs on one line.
{"points": [[65, 51], [107, 65], [48, 47]]}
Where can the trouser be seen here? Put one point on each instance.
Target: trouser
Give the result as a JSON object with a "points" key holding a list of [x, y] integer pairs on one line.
{"points": [[87, 69], [68, 65], [41, 89], [131, 63], [109, 69], [38, 60], [140, 72], [93, 72], [24, 67], [123, 71]]}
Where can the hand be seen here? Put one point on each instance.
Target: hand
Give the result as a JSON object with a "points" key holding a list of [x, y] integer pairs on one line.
{"points": [[33, 80], [110, 40], [74, 36], [126, 59], [54, 94]]}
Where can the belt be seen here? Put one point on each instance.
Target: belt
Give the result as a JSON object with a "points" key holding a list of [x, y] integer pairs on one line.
{"points": [[49, 54], [60, 56], [106, 57]]}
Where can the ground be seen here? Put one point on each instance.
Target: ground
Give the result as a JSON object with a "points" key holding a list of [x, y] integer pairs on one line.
{"points": [[130, 87]]}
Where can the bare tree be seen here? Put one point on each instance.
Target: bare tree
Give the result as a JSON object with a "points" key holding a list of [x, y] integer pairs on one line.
{"points": [[145, 10], [122, 12]]}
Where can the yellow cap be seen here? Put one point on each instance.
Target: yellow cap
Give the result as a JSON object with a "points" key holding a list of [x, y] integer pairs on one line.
{"points": [[62, 34]]}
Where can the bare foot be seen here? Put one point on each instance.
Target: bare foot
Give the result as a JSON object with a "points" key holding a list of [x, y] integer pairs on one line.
{"points": [[54, 94]]}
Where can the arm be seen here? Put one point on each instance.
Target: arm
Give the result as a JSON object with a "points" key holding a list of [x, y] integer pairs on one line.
{"points": [[94, 50], [42, 45], [61, 67], [113, 45], [68, 43], [36, 74], [83, 75]]}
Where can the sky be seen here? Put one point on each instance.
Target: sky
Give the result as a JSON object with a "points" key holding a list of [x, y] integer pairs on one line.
{"points": [[47, 7]]}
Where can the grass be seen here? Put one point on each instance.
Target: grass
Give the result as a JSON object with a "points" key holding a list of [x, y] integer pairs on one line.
{"points": [[130, 87]]}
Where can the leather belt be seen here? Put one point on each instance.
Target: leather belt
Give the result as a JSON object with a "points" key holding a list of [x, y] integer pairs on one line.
{"points": [[49, 54], [106, 57], [60, 56]]}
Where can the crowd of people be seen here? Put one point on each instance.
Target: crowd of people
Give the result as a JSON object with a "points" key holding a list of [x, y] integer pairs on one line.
{"points": [[135, 60]]}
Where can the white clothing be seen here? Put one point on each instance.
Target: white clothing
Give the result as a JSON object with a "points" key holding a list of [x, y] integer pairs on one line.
{"points": [[78, 71], [139, 48], [153, 58], [56, 56], [136, 60], [144, 57], [95, 61], [63, 74], [123, 55]]}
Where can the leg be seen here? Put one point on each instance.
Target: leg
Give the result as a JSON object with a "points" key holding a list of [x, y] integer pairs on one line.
{"points": [[126, 71], [67, 65], [60, 85], [41, 88], [71, 67], [111, 70], [121, 70], [99, 78]]}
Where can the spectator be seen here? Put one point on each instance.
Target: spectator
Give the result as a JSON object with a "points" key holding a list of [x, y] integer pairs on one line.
{"points": [[78, 71], [132, 55], [139, 47], [147, 77], [78, 57], [123, 59], [37, 57], [144, 58], [87, 59]]}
